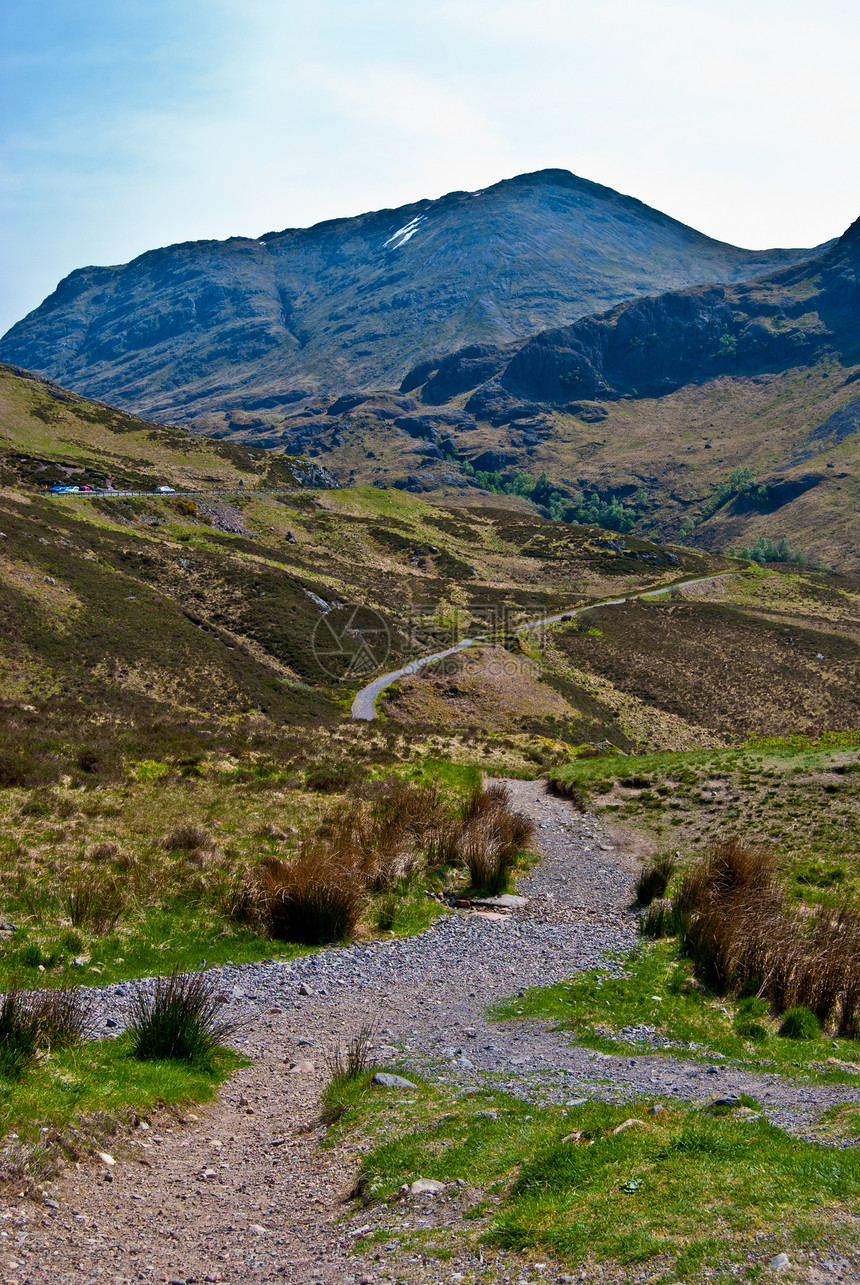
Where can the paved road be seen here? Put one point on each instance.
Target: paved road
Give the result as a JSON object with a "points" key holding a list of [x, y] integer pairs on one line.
{"points": [[364, 705], [218, 492]]}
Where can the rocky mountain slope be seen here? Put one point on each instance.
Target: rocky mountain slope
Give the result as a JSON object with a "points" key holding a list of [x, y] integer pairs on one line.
{"points": [[721, 415], [253, 325]]}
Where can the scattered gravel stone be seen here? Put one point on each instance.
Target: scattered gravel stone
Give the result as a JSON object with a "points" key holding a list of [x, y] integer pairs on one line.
{"points": [[426, 1187], [390, 1081]]}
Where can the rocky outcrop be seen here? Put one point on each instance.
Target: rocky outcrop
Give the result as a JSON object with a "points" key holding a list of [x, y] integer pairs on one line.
{"points": [[652, 346]]}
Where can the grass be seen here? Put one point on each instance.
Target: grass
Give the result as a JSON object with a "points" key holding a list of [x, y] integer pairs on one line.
{"points": [[652, 1000], [178, 1020], [735, 925], [76, 1097], [800, 795], [559, 1181]]}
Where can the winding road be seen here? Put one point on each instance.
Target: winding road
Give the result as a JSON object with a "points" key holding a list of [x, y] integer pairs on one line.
{"points": [[364, 705]]}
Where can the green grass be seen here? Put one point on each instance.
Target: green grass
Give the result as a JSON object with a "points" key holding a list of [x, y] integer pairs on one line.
{"points": [[555, 1180], [599, 1007], [180, 936], [799, 795], [457, 780], [73, 1093]]}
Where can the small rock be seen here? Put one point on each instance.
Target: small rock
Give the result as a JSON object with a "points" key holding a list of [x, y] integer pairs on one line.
{"points": [[304, 989], [302, 1068], [426, 1187], [52, 1204], [780, 1263], [237, 992], [8, 927], [243, 1101], [505, 901], [728, 1100], [258, 1229], [657, 1109], [209, 1173], [110, 1023], [389, 1081], [106, 1158], [627, 1124]]}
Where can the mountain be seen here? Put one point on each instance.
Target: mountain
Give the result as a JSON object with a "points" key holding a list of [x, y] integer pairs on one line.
{"points": [[255, 325], [719, 414]]}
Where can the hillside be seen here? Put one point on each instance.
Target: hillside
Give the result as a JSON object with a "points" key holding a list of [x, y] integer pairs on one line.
{"points": [[253, 325], [718, 415]]}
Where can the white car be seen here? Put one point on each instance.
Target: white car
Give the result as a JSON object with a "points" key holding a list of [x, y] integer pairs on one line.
{"points": [[164, 490]]}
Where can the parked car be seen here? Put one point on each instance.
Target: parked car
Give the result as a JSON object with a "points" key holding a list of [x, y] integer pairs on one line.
{"points": [[64, 490], [164, 490]]}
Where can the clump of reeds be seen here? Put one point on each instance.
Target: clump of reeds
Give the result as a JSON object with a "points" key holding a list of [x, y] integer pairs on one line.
{"points": [[179, 1019], [742, 936], [654, 879], [491, 837], [375, 845], [93, 903], [33, 1020], [355, 1060], [312, 899]]}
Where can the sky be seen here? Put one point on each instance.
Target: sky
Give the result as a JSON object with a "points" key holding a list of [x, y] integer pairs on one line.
{"points": [[130, 124]]}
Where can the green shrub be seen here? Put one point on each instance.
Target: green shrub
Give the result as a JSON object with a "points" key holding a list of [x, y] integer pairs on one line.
{"points": [[800, 1024], [748, 1029]]}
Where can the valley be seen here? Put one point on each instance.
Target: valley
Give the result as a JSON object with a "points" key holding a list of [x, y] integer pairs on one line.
{"points": [[429, 790]]}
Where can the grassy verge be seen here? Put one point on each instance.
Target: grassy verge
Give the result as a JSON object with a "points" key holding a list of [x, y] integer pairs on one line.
{"points": [[653, 1002], [800, 796], [560, 1181], [168, 864], [74, 1099]]}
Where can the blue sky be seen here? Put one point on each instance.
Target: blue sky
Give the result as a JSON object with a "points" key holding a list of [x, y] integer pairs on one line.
{"points": [[137, 123]]}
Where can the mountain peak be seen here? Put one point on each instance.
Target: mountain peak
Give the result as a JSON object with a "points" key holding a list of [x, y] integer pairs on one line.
{"points": [[255, 324]]}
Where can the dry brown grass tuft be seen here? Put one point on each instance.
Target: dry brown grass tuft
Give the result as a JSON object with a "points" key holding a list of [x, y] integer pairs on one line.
{"points": [[94, 904], [374, 844], [100, 852], [187, 838], [736, 926], [491, 837], [312, 899]]}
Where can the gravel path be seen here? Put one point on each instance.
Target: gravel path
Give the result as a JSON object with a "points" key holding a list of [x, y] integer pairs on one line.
{"points": [[240, 1190]]}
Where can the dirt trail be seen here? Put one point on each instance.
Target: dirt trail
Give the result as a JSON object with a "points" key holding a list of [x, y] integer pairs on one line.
{"points": [[246, 1193]]}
